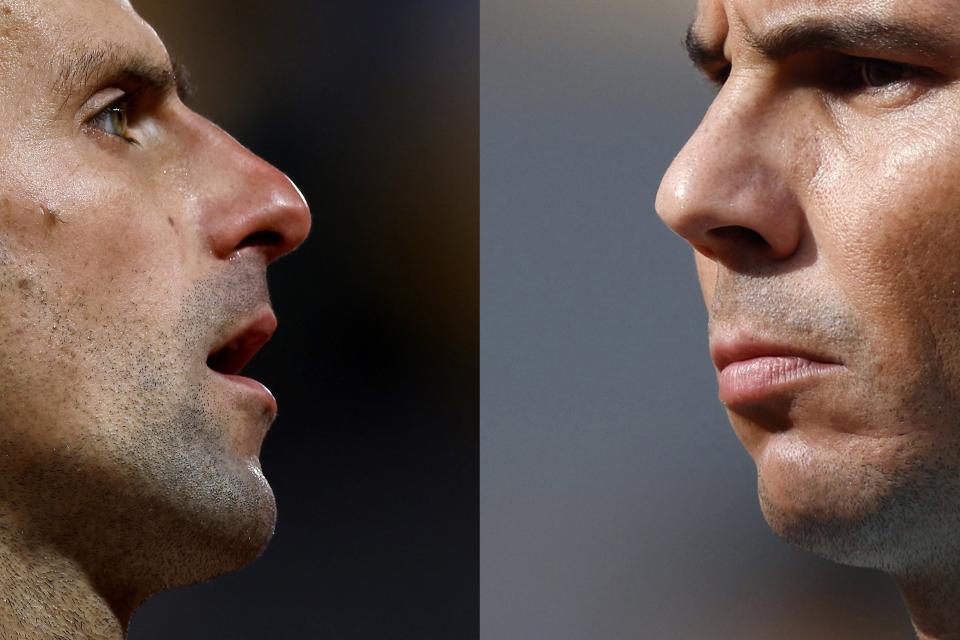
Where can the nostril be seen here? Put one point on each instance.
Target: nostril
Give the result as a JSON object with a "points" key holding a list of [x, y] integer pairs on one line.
{"points": [[742, 236], [261, 239]]}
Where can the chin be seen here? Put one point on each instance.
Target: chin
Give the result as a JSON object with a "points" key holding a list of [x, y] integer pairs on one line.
{"points": [[851, 512], [223, 527], [249, 526], [821, 530]]}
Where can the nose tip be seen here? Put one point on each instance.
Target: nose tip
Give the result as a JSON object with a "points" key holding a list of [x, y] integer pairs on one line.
{"points": [[266, 213], [670, 201], [730, 202], [244, 203], [676, 206], [291, 218]]}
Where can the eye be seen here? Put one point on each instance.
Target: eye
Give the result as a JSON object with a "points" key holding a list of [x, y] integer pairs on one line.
{"points": [[114, 119], [876, 74], [873, 82]]}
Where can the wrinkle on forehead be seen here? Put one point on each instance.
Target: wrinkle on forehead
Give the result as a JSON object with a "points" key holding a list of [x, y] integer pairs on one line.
{"points": [[73, 23]]}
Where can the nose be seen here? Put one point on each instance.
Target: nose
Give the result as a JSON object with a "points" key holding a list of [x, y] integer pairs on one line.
{"points": [[248, 204], [728, 192]]}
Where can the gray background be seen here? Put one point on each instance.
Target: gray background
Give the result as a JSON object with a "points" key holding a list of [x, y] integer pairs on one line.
{"points": [[615, 500]]}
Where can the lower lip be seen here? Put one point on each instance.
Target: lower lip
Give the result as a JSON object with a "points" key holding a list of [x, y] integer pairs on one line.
{"points": [[752, 381], [251, 385]]}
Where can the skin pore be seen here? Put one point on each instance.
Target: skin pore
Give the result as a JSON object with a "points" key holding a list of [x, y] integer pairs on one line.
{"points": [[134, 239], [821, 196]]}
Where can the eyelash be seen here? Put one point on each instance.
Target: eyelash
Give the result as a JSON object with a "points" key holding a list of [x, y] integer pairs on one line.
{"points": [[861, 66], [120, 106], [850, 74]]}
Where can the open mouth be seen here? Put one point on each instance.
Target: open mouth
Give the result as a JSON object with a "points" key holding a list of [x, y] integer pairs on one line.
{"points": [[238, 349]]}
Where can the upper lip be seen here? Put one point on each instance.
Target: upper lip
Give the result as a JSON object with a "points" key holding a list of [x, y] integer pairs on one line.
{"points": [[725, 351], [238, 346]]}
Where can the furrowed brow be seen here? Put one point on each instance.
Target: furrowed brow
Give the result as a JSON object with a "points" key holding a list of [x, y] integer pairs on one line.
{"points": [[839, 34], [117, 65], [853, 34]]}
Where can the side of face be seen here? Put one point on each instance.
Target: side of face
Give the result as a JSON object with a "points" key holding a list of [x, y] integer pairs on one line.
{"points": [[821, 194], [123, 262]]}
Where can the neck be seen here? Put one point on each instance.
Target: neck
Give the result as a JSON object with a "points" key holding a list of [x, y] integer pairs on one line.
{"points": [[47, 595], [933, 600]]}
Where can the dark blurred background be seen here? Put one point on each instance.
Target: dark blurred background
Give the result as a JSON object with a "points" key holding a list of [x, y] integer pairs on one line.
{"points": [[372, 108]]}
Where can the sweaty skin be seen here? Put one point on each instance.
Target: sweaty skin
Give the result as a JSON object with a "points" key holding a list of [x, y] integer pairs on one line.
{"points": [[133, 241], [821, 194]]}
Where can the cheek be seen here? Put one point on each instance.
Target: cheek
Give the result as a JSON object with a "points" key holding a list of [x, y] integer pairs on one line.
{"points": [[892, 198], [105, 243], [90, 291], [889, 239]]}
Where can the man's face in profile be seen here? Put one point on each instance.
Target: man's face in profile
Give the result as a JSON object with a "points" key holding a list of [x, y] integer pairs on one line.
{"points": [[821, 194], [134, 240]]}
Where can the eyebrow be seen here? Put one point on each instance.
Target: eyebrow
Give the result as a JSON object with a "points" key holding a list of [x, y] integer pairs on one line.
{"points": [[116, 64], [841, 34]]}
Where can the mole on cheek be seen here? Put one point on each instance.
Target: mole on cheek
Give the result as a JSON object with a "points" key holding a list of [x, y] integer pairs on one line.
{"points": [[51, 216]]}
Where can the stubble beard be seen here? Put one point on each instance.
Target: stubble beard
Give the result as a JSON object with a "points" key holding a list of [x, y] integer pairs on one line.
{"points": [[897, 511], [149, 493], [903, 523]]}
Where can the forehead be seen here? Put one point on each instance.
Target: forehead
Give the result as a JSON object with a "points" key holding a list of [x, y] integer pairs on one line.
{"points": [[716, 18], [39, 28]]}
